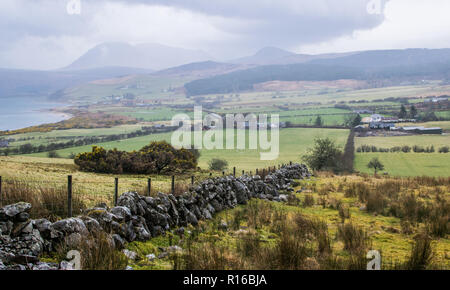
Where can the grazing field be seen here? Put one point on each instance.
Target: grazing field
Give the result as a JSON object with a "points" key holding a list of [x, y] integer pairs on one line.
{"points": [[421, 140], [93, 187], [293, 143], [406, 164]]}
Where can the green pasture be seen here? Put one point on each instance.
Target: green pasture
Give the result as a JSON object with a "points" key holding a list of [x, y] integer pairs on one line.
{"points": [[293, 143]]}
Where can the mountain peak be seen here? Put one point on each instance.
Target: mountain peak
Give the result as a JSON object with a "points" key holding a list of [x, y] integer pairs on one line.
{"points": [[271, 51], [147, 56]]}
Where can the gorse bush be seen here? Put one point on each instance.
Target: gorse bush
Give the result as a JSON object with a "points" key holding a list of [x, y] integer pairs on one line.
{"points": [[158, 157], [218, 164]]}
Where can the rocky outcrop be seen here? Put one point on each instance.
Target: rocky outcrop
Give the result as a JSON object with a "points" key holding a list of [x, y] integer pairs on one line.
{"points": [[136, 218]]}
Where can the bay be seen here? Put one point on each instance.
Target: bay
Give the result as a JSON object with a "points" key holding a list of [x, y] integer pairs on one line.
{"points": [[17, 113]]}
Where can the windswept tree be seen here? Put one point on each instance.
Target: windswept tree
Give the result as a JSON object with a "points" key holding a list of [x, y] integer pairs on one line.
{"points": [[325, 155], [318, 122], [403, 113], [413, 112], [376, 165]]}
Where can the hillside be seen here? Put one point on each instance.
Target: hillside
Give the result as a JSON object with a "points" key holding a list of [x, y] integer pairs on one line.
{"points": [[44, 83], [148, 56], [395, 66]]}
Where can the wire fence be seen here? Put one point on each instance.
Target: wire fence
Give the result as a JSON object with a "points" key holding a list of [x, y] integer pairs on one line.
{"points": [[70, 196]]}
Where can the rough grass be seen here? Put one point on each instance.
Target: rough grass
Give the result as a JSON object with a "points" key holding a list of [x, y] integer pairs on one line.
{"points": [[264, 235]]}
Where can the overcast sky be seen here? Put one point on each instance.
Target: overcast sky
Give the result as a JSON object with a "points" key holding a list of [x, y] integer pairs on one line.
{"points": [[45, 34]]}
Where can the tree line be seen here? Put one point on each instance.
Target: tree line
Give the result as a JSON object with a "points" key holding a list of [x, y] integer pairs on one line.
{"points": [[404, 149], [30, 148]]}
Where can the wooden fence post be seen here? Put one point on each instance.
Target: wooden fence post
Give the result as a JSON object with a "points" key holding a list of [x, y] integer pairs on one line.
{"points": [[149, 186], [290, 163], [223, 173], [257, 171], [69, 196], [234, 171], [116, 190], [192, 180], [173, 184], [243, 172], [1, 197]]}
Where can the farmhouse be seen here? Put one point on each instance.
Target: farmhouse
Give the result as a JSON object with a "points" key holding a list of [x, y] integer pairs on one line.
{"points": [[375, 118]]}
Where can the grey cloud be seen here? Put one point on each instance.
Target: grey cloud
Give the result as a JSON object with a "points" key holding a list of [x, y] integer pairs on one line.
{"points": [[283, 22], [248, 24]]}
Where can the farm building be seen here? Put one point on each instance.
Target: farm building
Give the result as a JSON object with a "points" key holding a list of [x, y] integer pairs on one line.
{"points": [[422, 130], [360, 128], [4, 144], [381, 125]]}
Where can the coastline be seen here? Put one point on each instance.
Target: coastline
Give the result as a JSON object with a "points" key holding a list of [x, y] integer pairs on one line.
{"points": [[20, 113]]}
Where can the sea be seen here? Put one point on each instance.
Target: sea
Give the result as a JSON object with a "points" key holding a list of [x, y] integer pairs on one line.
{"points": [[17, 113]]}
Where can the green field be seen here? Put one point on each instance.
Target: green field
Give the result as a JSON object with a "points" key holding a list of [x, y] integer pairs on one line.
{"points": [[39, 138], [406, 164], [293, 143], [420, 140]]}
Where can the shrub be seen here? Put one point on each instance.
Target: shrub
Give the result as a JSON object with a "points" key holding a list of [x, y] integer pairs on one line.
{"points": [[376, 165], [355, 239], [324, 155], [444, 149], [406, 149], [308, 201], [53, 154], [376, 202], [421, 253], [158, 157], [344, 212], [218, 164], [249, 244]]}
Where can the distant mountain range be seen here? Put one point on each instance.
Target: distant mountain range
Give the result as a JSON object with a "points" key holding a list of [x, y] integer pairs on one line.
{"points": [[396, 66], [273, 55], [148, 56], [111, 60]]}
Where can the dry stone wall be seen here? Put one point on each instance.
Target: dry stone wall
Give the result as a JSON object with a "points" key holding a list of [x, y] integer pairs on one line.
{"points": [[136, 218]]}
